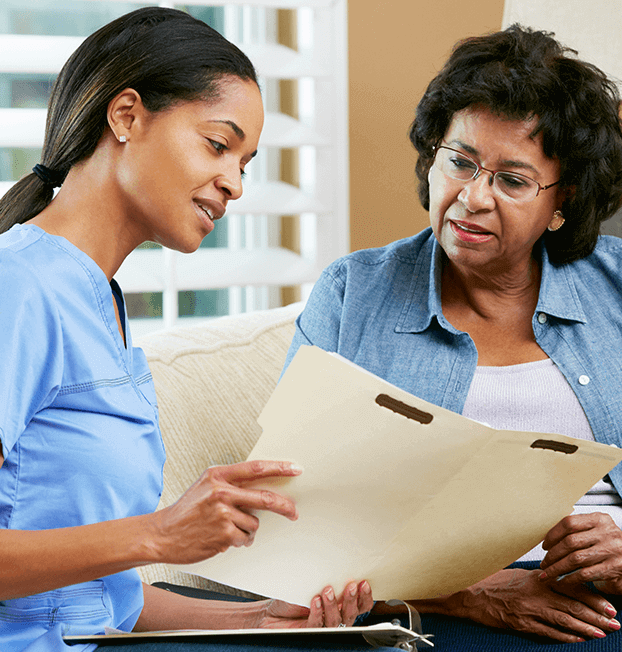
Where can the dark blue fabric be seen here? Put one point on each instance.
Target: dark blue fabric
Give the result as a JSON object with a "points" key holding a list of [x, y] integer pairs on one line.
{"points": [[456, 635]]}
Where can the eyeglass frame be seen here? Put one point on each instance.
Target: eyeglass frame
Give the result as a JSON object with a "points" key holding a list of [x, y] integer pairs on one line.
{"points": [[493, 173]]}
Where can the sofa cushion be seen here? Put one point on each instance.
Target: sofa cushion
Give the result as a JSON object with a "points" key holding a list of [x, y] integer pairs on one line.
{"points": [[212, 381]]}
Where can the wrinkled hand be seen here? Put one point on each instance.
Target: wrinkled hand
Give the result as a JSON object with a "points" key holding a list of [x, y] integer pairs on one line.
{"points": [[326, 610], [589, 547], [517, 599], [214, 513]]}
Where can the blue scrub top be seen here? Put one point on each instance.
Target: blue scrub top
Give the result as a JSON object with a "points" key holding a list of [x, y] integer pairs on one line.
{"points": [[78, 426]]}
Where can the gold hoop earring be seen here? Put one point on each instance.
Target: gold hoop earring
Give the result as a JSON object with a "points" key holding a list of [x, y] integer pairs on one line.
{"points": [[557, 222]]}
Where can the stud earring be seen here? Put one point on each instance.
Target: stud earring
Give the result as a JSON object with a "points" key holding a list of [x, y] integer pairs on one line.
{"points": [[557, 222], [123, 139]]}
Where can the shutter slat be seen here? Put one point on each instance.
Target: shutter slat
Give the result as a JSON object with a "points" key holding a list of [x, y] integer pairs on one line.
{"points": [[274, 60], [47, 54], [35, 54], [22, 127], [281, 130], [215, 268], [277, 198]]}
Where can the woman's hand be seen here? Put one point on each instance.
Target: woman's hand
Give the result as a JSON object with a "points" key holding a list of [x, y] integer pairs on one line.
{"points": [[517, 599], [589, 547], [215, 512], [326, 610]]}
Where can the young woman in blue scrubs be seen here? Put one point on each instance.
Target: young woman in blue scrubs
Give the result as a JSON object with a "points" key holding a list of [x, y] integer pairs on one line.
{"points": [[150, 126]]}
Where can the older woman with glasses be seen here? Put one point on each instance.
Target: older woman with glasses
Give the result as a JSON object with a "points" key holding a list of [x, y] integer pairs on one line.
{"points": [[508, 309]]}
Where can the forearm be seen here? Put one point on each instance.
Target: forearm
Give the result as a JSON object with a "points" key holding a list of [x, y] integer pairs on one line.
{"points": [[517, 599], [37, 561], [466, 603], [450, 605], [164, 610], [210, 517]]}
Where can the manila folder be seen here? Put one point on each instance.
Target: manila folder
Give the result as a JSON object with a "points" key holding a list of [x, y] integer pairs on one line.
{"points": [[416, 499]]}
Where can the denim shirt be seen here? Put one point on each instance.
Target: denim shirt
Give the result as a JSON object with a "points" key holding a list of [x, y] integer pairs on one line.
{"points": [[381, 309]]}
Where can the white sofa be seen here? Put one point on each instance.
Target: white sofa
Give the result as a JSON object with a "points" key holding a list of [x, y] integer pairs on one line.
{"points": [[212, 382]]}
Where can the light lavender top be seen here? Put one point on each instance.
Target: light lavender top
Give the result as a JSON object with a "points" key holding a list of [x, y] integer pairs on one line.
{"points": [[536, 397]]}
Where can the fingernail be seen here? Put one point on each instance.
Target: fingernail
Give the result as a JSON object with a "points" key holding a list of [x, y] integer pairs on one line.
{"points": [[365, 587], [599, 633], [580, 640], [295, 468], [353, 589], [542, 576], [318, 603], [614, 624], [329, 593], [610, 610]]}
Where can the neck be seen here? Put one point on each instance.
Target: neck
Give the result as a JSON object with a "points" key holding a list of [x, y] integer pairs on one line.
{"points": [[88, 212], [485, 293]]}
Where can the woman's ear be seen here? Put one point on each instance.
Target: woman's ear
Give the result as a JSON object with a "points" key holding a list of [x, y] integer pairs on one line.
{"points": [[124, 111]]}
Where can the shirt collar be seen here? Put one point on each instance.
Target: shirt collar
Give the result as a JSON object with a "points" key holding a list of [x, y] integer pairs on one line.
{"points": [[422, 307], [558, 296]]}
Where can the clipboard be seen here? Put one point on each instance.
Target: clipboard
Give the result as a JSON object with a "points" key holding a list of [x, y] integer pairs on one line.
{"points": [[380, 635], [393, 634], [409, 638], [420, 501]]}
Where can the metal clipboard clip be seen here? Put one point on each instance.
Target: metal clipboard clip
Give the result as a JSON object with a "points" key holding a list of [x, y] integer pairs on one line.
{"points": [[400, 637]]}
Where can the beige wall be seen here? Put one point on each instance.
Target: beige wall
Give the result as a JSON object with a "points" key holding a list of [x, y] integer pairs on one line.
{"points": [[396, 47]]}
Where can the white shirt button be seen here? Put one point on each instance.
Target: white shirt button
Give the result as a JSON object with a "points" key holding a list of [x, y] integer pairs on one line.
{"points": [[584, 380], [542, 318]]}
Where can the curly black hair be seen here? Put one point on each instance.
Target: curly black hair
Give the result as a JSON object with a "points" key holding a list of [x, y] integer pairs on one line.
{"points": [[522, 74]]}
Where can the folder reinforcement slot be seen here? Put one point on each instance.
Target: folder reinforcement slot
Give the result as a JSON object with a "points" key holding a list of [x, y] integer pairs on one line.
{"points": [[384, 400], [558, 446]]}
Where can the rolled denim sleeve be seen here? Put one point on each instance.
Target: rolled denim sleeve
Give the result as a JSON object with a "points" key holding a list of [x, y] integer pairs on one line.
{"points": [[319, 323]]}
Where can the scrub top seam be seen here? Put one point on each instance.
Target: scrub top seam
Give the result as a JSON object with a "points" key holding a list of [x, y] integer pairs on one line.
{"points": [[96, 291], [107, 382]]}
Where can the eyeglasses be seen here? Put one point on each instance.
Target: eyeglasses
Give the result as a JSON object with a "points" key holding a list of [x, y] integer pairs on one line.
{"points": [[461, 167]]}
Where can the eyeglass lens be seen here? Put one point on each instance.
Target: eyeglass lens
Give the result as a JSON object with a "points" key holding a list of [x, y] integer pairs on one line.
{"points": [[463, 168]]}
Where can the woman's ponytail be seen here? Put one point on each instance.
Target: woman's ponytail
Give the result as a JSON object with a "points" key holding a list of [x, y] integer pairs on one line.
{"points": [[27, 198]]}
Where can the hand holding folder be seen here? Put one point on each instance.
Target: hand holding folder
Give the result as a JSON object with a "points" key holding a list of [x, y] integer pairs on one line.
{"points": [[416, 499]]}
